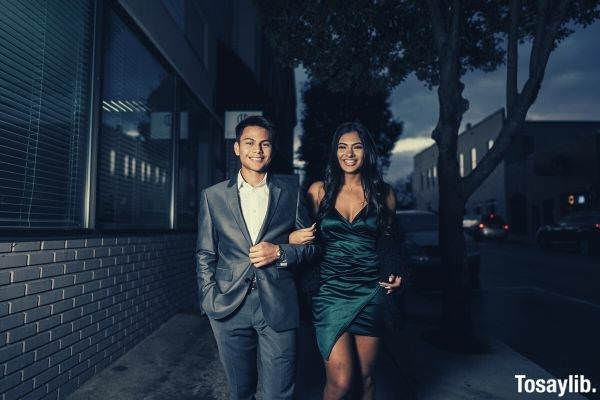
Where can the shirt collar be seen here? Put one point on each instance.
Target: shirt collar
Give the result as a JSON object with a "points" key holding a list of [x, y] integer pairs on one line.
{"points": [[241, 182]]}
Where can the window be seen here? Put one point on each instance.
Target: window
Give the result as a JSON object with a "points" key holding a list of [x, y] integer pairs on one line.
{"points": [[45, 63], [177, 10], [490, 144], [194, 126], [473, 158], [461, 160], [135, 136], [429, 178]]}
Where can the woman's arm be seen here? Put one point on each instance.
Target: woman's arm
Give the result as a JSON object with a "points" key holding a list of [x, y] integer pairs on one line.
{"points": [[307, 235], [393, 281], [316, 192], [390, 203]]}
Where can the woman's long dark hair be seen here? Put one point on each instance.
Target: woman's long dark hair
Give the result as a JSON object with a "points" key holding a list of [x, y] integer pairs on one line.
{"points": [[373, 186]]}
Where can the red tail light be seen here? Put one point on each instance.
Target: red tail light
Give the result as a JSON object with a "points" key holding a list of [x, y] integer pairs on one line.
{"points": [[481, 226], [505, 227], [597, 226]]}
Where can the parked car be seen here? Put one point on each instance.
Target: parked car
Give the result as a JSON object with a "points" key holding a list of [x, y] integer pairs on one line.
{"points": [[578, 231], [421, 237], [489, 226]]}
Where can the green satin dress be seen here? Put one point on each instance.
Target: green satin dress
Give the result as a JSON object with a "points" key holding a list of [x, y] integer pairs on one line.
{"points": [[349, 297]]}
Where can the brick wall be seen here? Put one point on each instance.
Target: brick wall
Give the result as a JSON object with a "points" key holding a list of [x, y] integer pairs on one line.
{"points": [[69, 308]]}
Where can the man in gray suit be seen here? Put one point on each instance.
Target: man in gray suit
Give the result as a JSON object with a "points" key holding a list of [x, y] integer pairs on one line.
{"points": [[244, 267]]}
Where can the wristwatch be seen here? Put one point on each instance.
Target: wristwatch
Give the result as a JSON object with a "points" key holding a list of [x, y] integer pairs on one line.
{"points": [[281, 260]]}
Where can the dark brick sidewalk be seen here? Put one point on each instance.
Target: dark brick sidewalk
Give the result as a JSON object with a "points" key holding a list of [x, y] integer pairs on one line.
{"points": [[180, 361]]}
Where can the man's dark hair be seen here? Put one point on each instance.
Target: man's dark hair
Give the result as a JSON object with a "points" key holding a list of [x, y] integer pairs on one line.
{"points": [[255, 120]]}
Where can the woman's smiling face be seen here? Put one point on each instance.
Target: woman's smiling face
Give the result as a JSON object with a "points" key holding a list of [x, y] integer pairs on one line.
{"points": [[350, 152]]}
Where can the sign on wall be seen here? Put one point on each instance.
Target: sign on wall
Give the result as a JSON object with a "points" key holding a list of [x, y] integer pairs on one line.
{"points": [[232, 118]]}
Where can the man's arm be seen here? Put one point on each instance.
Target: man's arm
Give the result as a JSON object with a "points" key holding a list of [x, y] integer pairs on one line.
{"points": [[299, 253], [205, 250]]}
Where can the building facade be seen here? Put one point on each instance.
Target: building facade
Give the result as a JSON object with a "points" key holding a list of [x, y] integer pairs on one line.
{"points": [[551, 169], [472, 144], [111, 121]]}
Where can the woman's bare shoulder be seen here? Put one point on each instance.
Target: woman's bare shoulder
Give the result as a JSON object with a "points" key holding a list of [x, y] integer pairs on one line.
{"points": [[317, 188], [316, 192]]}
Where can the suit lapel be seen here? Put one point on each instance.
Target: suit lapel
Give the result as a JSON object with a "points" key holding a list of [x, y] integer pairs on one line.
{"points": [[233, 201], [274, 194]]}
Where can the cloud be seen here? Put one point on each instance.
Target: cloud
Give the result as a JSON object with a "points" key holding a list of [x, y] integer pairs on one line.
{"points": [[412, 145]]}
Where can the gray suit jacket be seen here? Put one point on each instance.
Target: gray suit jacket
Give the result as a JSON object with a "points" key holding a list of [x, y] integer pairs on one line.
{"points": [[223, 266]]}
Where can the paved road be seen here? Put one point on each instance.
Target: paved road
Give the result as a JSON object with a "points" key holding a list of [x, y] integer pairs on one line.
{"points": [[561, 273], [545, 305]]}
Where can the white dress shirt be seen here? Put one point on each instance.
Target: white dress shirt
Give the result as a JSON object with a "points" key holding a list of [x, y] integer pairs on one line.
{"points": [[254, 201]]}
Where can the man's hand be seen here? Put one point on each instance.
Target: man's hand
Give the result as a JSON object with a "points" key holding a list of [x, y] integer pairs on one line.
{"points": [[263, 253]]}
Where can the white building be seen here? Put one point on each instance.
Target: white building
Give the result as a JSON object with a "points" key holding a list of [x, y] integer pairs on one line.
{"points": [[473, 143]]}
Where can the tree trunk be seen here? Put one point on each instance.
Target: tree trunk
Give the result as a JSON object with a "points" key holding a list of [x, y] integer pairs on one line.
{"points": [[456, 312]]}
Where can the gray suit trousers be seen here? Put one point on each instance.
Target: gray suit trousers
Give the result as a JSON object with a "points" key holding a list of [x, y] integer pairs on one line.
{"points": [[238, 337]]}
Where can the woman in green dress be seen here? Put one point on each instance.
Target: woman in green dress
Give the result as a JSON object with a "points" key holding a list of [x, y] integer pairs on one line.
{"points": [[351, 206]]}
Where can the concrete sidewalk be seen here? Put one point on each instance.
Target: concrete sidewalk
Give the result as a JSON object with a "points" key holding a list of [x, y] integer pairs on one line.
{"points": [[440, 375], [180, 362], [436, 374]]}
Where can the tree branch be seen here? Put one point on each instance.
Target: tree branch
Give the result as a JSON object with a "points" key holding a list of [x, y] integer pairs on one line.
{"points": [[452, 104], [454, 34], [542, 8], [541, 50], [440, 36], [540, 53], [512, 57]]}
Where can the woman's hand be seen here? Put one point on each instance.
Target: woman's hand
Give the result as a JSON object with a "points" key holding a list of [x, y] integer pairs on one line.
{"points": [[392, 284], [303, 236]]}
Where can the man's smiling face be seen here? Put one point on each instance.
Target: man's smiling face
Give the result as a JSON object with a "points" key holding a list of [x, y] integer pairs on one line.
{"points": [[254, 149]]}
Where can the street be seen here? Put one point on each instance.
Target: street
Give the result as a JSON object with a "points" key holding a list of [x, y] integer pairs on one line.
{"points": [[543, 304]]}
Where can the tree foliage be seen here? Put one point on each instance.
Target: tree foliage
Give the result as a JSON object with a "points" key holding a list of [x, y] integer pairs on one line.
{"points": [[352, 42], [325, 109]]}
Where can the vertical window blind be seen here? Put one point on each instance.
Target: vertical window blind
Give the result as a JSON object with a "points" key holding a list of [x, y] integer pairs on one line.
{"points": [[45, 64]]}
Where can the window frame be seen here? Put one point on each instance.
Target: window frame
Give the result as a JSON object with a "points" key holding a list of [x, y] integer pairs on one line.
{"points": [[90, 179]]}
